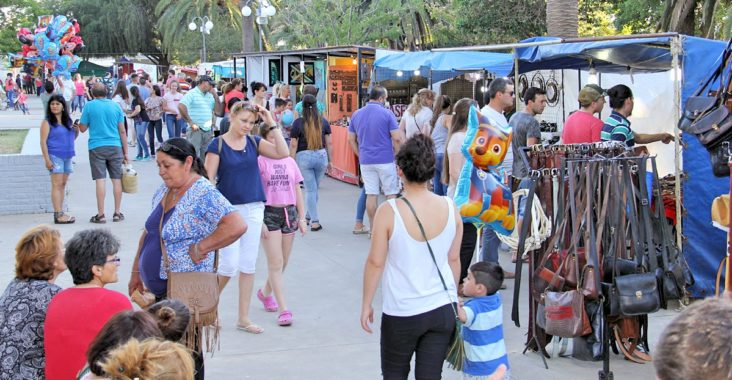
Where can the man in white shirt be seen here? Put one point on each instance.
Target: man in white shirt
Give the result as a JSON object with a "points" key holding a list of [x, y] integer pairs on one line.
{"points": [[502, 97]]}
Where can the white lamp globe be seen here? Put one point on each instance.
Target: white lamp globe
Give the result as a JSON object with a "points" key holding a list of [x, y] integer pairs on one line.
{"points": [[209, 25], [192, 26], [271, 10], [246, 11]]}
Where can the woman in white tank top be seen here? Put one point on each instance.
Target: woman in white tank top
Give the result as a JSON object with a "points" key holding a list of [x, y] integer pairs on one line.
{"points": [[417, 314]]}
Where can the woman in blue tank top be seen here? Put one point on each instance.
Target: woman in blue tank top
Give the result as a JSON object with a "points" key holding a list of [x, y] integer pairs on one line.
{"points": [[57, 144]]}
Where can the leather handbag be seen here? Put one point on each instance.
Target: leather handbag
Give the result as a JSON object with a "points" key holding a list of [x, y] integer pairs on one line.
{"points": [[638, 294], [719, 156], [621, 266], [589, 287], [197, 290], [565, 314]]}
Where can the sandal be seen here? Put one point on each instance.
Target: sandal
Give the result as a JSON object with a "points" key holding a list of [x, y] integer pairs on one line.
{"points": [[285, 318], [360, 231], [118, 217], [251, 328], [61, 218], [98, 219], [269, 303], [318, 228]]}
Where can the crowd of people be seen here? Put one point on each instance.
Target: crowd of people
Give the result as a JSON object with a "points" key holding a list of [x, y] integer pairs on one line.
{"points": [[225, 192]]}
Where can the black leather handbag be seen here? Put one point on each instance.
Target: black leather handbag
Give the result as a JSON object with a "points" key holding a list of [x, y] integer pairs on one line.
{"points": [[638, 294], [719, 156]]}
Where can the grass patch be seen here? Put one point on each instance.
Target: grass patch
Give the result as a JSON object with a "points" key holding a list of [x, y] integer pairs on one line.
{"points": [[11, 140]]}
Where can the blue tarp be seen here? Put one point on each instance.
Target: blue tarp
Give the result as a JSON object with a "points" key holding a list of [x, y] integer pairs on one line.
{"points": [[228, 72], [444, 65], [651, 54]]}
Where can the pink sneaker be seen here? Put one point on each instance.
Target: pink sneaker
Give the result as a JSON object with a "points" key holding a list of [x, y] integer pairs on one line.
{"points": [[269, 303]]}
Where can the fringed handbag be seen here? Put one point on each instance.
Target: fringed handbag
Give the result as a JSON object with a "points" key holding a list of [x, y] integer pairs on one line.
{"points": [[456, 353]]}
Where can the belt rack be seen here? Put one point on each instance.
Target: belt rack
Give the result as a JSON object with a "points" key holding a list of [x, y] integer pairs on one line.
{"points": [[617, 222]]}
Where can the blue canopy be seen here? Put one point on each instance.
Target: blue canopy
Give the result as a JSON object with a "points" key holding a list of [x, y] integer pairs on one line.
{"points": [[499, 64], [650, 54]]}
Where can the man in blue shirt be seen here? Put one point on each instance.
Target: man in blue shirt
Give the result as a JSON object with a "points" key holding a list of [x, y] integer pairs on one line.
{"points": [[107, 148], [198, 108]]}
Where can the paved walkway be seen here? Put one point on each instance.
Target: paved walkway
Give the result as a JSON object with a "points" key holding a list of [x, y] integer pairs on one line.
{"points": [[323, 286]]}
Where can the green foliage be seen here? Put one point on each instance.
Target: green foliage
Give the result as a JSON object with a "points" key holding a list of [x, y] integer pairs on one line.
{"points": [[15, 14], [484, 22], [638, 16]]}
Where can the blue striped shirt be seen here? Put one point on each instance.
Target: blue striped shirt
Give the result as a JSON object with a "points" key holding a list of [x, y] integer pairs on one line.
{"points": [[485, 348], [617, 128], [200, 108]]}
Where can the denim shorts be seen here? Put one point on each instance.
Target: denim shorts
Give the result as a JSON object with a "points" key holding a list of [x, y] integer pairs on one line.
{"points": [[281, 219], [61, 165]]}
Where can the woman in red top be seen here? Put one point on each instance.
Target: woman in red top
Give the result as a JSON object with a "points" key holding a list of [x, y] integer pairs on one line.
{"points": [[76, 315], [80, 94], [233, 90]]}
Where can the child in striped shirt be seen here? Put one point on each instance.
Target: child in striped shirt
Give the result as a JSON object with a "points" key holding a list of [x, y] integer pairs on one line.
{"points": [[482, 318]]}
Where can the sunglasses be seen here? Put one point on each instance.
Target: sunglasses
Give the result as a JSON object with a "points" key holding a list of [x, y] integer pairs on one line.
{"points": [[246, 106], [115, 260], [167, 147]]}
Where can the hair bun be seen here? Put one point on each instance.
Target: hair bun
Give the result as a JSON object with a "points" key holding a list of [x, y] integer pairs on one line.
{"points": [[166, 317]]}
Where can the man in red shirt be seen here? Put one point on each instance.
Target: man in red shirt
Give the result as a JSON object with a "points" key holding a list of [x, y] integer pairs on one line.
{"points": [[582, 126]]}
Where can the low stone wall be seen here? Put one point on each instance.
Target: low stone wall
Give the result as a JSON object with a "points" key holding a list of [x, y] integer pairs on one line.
{"points": [[25, 186]]}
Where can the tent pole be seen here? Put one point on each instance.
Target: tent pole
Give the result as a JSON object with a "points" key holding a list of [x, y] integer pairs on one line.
{"points": [[515, 78], [675, 66]]}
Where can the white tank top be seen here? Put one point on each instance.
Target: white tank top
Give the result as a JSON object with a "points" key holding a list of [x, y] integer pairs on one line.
{"points": [[410, 284]]}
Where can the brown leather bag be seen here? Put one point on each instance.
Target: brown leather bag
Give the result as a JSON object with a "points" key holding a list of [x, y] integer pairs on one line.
{"points": [[589, 284], [200, 292], [565, 314]]}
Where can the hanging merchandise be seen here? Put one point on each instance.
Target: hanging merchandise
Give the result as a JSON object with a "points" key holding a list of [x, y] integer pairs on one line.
{"points": [[552, 91], [612, 250]]}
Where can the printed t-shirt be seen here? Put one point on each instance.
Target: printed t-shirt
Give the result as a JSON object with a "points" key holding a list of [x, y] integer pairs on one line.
{"points": [[200, 108], [279, 178], [172, 102], [298, 132], [581, 127], [102, 116], [239, 178], [372, 125], [74, 318]]}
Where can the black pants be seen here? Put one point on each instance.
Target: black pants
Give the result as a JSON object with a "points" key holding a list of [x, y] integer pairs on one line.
{"points": [[428, 334], [467, 248], [154, 127]]}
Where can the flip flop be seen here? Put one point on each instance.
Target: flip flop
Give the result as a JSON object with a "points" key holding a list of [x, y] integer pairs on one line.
{"points": [[250, 328]]}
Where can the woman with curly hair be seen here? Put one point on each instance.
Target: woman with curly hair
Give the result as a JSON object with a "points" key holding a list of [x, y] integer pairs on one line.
{"points": [[39, 259]]}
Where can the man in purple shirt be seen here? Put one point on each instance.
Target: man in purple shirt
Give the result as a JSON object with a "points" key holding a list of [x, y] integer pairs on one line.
{"points": [[374, 136]]}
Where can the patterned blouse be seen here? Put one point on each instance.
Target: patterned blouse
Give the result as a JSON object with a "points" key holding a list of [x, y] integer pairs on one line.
{"points": [[22, 314], [196, 216]]}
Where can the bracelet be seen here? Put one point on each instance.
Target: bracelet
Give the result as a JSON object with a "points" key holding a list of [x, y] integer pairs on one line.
{"points": [[195, 250], [135, 271]]}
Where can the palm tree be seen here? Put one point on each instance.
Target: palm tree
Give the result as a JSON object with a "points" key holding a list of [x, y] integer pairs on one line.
{"points": [[562, 18], [175, 15]]}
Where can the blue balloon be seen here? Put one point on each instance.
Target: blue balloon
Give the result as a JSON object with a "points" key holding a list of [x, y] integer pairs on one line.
{"points": [[58, 27], [288, 117], [40, 41]]}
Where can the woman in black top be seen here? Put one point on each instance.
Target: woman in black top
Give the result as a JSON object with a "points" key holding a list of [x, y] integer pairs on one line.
{"points": [[141, 120], [310, 145]]}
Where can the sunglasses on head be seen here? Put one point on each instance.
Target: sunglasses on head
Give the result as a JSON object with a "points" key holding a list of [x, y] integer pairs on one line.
{"points": [[167, 147], [246, 106]]}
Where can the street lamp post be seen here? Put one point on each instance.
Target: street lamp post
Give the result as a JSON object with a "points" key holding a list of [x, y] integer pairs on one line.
{"points": [[265, 10], [204, 28]]}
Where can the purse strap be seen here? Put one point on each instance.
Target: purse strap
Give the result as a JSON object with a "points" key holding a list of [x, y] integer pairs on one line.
{"points": [[432, 254], [166, 259]]}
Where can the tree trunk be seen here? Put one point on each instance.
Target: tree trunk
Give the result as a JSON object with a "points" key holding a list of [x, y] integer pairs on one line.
{"points": [[562, 18], [247, 29]]}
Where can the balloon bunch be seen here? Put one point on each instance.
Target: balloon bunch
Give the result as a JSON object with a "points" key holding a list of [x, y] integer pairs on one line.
{"points": [[480, 194], [53, 44]]}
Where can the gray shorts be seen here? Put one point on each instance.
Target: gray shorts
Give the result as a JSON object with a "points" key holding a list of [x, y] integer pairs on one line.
{"points": [[380, 178], [106, 159]]}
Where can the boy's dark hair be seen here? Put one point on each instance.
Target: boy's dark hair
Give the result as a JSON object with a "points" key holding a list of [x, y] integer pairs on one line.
{"points": [[48, 86], [488, 274], [231, 102], [280, 102]]}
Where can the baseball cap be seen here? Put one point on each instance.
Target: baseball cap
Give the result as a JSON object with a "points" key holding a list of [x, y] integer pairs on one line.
{"points": [[590, 93], [205, 78]]}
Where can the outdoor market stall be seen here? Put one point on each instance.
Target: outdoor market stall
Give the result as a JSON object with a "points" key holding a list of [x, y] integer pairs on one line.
{"points": [[341, 73]]}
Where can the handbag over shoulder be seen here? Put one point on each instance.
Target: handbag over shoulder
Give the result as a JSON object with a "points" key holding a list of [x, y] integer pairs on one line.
{"points": [[197, 290]]}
